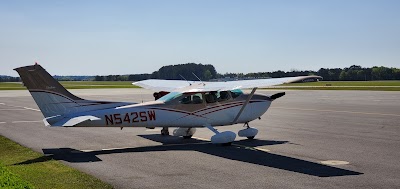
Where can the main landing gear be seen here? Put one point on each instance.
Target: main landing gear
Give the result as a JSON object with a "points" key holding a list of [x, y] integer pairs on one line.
{"points": [[186, 133], [225, 138], [164, 131], [249, 132]]}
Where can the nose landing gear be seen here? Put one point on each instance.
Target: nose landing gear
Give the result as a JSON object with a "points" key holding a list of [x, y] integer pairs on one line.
{"points": [[248, 132]]}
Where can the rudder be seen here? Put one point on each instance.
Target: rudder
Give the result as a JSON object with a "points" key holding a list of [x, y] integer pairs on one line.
{"points": [[50, 96]]}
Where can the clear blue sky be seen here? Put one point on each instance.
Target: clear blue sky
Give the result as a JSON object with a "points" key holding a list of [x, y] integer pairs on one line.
{"points": [[122, 37]]}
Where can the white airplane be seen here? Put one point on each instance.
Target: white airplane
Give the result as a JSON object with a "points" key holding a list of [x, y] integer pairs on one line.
{"points": [[189, 105]]}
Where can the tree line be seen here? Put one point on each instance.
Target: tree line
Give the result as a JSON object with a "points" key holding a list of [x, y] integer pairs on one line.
{"points": [[188, 71], [207, 72], [4, 78], [352, 73]]}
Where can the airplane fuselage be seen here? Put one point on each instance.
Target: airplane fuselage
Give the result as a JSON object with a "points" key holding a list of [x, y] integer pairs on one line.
{"points": [[159, 114]]}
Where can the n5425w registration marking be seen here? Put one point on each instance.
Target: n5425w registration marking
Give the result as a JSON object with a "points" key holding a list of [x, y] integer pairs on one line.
{"points": [[132, 117]]}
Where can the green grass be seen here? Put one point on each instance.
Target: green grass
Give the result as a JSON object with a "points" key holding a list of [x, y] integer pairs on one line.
{"points": [[75, 85], [344, 85], [10, 180], [119, 83], [42, 173], [322, 85], [343, 88], [348, 83], [11, 86]]}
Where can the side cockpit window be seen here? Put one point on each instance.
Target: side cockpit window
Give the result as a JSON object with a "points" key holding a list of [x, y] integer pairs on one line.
{"points": [[223, 95], [211, 97]]}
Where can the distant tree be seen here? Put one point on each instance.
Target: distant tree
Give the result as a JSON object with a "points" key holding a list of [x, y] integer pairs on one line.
{"points": [[396, 73], [98, 78], [207, 75], [381, 73], [343, 75], [186, 70]]}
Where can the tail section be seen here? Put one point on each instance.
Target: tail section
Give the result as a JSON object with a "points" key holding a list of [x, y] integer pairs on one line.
{"points": [[52, 98]]}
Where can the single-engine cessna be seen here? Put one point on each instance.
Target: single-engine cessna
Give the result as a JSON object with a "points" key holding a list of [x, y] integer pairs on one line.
{"points": [[187, 106]]}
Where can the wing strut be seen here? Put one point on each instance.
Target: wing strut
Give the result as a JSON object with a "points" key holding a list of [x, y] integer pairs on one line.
{"points": [[244, 105]]}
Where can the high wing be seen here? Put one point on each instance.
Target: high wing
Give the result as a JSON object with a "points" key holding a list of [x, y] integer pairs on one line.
{"points": [[197, 86]]}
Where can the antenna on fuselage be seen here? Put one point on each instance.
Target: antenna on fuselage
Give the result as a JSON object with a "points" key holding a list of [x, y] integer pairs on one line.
{"points": [[185, 79], [199, 79]]}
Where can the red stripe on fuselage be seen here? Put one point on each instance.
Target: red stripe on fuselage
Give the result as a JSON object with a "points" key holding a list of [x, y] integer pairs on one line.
{"points": [[217, 107]]}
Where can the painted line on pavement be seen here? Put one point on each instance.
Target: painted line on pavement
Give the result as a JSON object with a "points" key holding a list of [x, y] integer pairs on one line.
{"points": [[252, 148], [335, 162], [32, 109], [26, 121], [123, 148], [239, 145], [339, 111], [27, 108], [14, 109]]}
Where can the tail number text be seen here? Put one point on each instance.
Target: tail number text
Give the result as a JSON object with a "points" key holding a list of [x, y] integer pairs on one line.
{"points": [[132, 117]]}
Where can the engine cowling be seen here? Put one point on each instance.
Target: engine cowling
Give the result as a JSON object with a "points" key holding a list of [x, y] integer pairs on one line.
{"points": [[184, 131], [248, 132], [223, 137]]}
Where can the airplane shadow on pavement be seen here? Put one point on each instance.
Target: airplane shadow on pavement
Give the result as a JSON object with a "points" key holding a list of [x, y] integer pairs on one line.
{"points": [[240, 151]]}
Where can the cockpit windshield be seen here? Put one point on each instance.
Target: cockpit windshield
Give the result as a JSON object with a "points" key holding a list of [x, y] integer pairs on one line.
{"points": [[235, 93], [170, 96]]}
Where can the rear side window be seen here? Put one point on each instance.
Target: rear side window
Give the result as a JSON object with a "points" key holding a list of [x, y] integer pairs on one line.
{"points": [[211, 97]]}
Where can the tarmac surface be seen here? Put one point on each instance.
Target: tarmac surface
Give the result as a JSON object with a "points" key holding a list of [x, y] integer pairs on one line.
{"points": [[307, 139]]}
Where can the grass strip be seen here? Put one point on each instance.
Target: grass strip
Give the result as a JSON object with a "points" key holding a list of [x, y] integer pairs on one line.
{"points": [[339, 88], [34, 169], [10, 180], [390, 85], [75, 85], [348, 83]]}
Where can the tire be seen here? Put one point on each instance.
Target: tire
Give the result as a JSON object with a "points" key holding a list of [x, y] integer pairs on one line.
{"points": [[164, 133]]}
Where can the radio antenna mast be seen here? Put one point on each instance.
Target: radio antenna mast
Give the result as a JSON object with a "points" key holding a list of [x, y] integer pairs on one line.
{"points": [[199, 79], [185, 79]]}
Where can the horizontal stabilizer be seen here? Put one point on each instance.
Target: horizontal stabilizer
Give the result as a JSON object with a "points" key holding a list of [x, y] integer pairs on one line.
{"points": [[70, 122]]}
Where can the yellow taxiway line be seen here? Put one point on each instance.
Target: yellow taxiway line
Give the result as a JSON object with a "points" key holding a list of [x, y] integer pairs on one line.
{"points": [[206, 141], [238, 145]]}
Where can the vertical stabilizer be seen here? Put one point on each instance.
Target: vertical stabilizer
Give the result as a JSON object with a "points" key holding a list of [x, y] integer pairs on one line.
{"points": [[54, 100], [51, 97], [36, 78]]}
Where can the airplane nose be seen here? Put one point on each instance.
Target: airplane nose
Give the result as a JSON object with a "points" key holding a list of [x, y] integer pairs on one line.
{"points": [[266, 97]]}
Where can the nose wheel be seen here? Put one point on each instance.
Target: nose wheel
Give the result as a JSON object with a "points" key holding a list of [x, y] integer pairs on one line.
{"points": [[248, 132]]}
